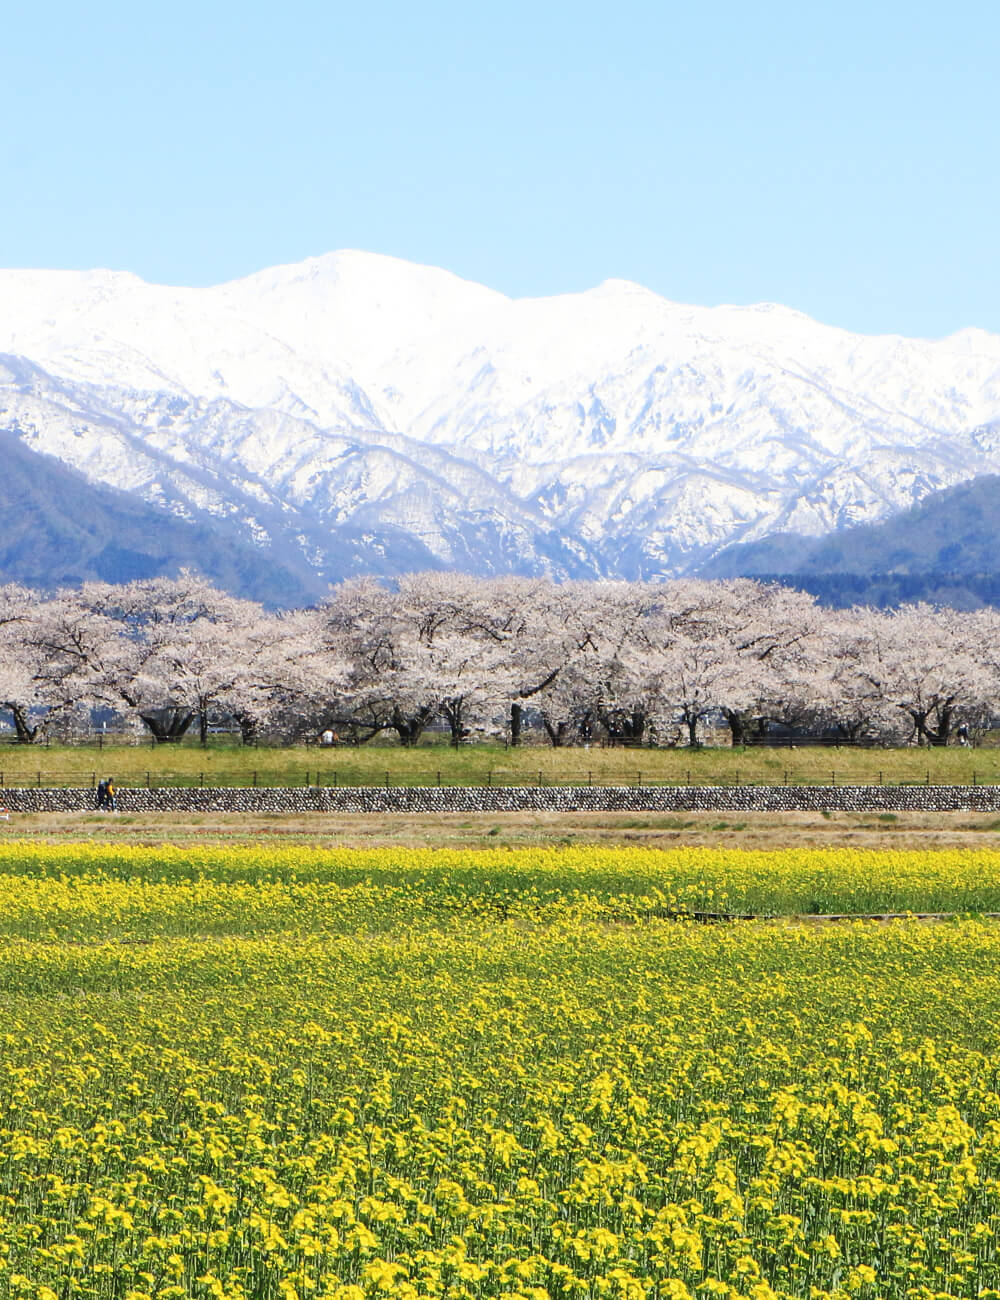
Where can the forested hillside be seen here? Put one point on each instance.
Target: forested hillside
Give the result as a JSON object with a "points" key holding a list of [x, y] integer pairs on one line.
{"points": [[946, 551]]}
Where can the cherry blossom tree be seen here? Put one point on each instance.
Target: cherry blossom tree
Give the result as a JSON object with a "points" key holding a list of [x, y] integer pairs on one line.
{"points": [[168, 650], [850, 680], [364, 625], [982, 631], [23, 680], [695, 655], [927, 665], [773, 632], [634, 662], [525, 627], [617, 660]]}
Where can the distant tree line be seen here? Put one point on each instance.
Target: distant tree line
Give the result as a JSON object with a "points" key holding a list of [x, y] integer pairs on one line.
{"points": [[887, 590], [577, 662]]}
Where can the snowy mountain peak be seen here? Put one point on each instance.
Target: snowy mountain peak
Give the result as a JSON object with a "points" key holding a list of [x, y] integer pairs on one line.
{"points": [[609, 431], [616, 288], [359, 276]]}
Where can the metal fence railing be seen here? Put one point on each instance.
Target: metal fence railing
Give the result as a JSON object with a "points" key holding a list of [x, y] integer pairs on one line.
{"points": [[334, 778]]}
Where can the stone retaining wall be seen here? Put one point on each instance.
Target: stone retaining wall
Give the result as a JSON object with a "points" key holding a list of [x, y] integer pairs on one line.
{"points": [[494, 799]]}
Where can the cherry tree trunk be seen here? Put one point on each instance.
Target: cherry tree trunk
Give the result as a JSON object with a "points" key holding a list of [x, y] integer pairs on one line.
{"points": [[453, 711], [167, 726], [556, 732], [247, 724], [739, 725], [26, 734], [409, 728]]}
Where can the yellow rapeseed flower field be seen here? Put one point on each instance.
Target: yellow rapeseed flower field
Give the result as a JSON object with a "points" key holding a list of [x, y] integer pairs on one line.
{"points": [[522, 1075]]}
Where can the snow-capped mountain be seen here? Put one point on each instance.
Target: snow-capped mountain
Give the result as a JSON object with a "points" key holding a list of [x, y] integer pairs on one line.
{"points": [[369, 413]]}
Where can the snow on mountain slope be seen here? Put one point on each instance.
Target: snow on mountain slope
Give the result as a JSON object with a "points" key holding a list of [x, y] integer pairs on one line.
{"points": [[604, 432], [347, 502]]}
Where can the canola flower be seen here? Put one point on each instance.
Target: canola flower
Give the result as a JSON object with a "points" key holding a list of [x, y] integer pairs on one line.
{"points": [[627, 883], [290, 1075]]}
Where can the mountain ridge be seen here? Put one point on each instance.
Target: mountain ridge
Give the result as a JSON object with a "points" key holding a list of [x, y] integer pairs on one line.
{"points": [[431, 420], [59, 530], [943, 550]]}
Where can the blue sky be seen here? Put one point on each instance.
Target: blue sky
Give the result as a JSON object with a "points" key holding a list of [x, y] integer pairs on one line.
{"points": [[840, 158]]}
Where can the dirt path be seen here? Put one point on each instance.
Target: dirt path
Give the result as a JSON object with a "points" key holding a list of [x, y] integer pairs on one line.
{"points": [[452, 830]]}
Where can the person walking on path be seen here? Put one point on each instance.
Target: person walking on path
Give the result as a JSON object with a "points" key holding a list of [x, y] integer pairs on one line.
{"points": [[106, 795]]}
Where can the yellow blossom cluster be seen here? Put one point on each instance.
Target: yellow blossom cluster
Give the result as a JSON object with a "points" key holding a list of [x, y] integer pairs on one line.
{"points": [[231, 889], [278, 1076]]}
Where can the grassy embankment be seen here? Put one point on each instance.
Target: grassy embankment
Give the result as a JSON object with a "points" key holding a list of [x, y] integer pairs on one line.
{"points": [[432, 764], [229, 765]]}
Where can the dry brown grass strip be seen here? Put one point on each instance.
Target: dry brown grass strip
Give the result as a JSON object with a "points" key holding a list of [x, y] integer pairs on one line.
{"points": [[489, 830]]}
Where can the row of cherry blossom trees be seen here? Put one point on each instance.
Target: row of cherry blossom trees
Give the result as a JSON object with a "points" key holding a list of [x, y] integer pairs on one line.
{"points": [[629, 662]]}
